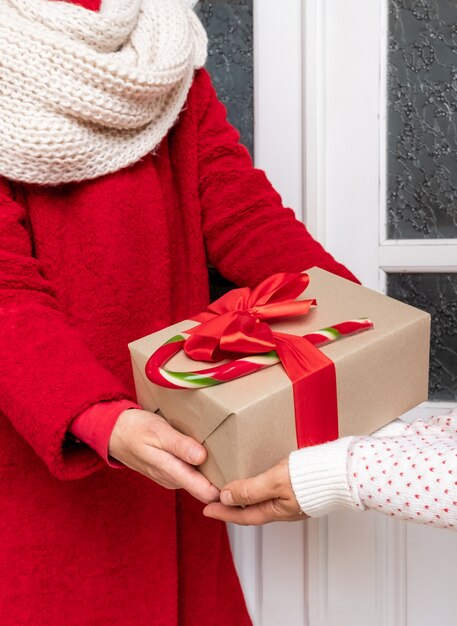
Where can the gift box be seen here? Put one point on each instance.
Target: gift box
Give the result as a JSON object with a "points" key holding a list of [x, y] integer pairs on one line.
{"points": [[351, 385]]}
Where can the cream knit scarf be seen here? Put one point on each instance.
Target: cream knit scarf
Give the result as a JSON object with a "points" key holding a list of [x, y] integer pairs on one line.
{"points": [[84, 93]]}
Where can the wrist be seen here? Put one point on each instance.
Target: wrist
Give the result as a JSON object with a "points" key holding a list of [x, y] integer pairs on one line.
{"points": [[319, 478], [117, 442]]}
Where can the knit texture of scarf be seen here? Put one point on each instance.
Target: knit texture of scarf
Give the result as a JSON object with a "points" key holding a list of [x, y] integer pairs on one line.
{"points": [[83, 94]]}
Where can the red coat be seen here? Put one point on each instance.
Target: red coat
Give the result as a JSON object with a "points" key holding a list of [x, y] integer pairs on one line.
{"points": [[86, 268]]}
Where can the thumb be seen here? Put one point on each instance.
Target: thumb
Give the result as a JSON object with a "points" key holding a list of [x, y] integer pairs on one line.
{"points": [[181, 446], [249, 491]]}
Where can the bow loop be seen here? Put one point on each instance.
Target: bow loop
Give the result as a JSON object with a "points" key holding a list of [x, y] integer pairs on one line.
{"points": [[235, 322], [287, 308], [234, 300], [282, 287]]}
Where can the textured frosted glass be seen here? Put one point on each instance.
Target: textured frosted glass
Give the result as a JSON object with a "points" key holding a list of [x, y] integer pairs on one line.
{"points": [[230, 62], [422, 119], [437, 294]]}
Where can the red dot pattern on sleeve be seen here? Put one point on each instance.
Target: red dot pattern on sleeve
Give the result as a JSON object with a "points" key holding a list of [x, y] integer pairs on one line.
{"points": [[413, 475]]}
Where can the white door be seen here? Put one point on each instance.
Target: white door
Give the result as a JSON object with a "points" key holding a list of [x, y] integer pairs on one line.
{"points": [[367, 569], [321, 133]]}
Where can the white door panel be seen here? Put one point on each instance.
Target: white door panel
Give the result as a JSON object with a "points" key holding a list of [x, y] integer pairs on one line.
{"points": [[431, 556]]}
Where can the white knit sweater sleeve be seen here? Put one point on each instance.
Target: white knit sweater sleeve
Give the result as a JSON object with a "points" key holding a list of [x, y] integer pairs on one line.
{"points": [[404, 470]]}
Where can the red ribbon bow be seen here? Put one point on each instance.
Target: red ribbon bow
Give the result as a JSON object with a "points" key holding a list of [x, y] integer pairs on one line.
{"points": [[236, 324]]}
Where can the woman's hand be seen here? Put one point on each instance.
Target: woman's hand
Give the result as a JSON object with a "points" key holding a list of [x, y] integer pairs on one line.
{"points": [[146, 443], [266, 498]]}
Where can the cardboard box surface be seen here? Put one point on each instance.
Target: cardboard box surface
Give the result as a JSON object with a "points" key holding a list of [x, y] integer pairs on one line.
{"points": [[248, 425]]}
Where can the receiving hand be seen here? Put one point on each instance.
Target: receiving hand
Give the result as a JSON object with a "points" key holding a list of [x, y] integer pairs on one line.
{"points": [[266, 498], [146, 443]]}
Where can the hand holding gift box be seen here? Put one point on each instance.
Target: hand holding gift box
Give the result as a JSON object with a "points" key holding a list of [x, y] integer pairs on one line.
{"points": [[248, 424]]}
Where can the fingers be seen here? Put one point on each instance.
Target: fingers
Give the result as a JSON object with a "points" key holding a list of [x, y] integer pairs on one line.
{"points": [[146, 443], [179, 445], [266, 486], [265, 498], [251, 516], [172, 472], [254, 515]]}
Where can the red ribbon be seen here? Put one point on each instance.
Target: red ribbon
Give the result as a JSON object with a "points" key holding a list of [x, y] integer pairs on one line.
{"points": [[236, 324]]}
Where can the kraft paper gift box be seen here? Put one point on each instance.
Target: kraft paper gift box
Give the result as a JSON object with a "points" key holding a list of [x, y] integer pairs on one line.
{"points": [[247, 425]]}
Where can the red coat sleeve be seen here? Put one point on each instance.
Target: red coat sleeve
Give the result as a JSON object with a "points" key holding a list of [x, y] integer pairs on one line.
{"points": [[249, 234], [48, 375], [95, 425]]}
